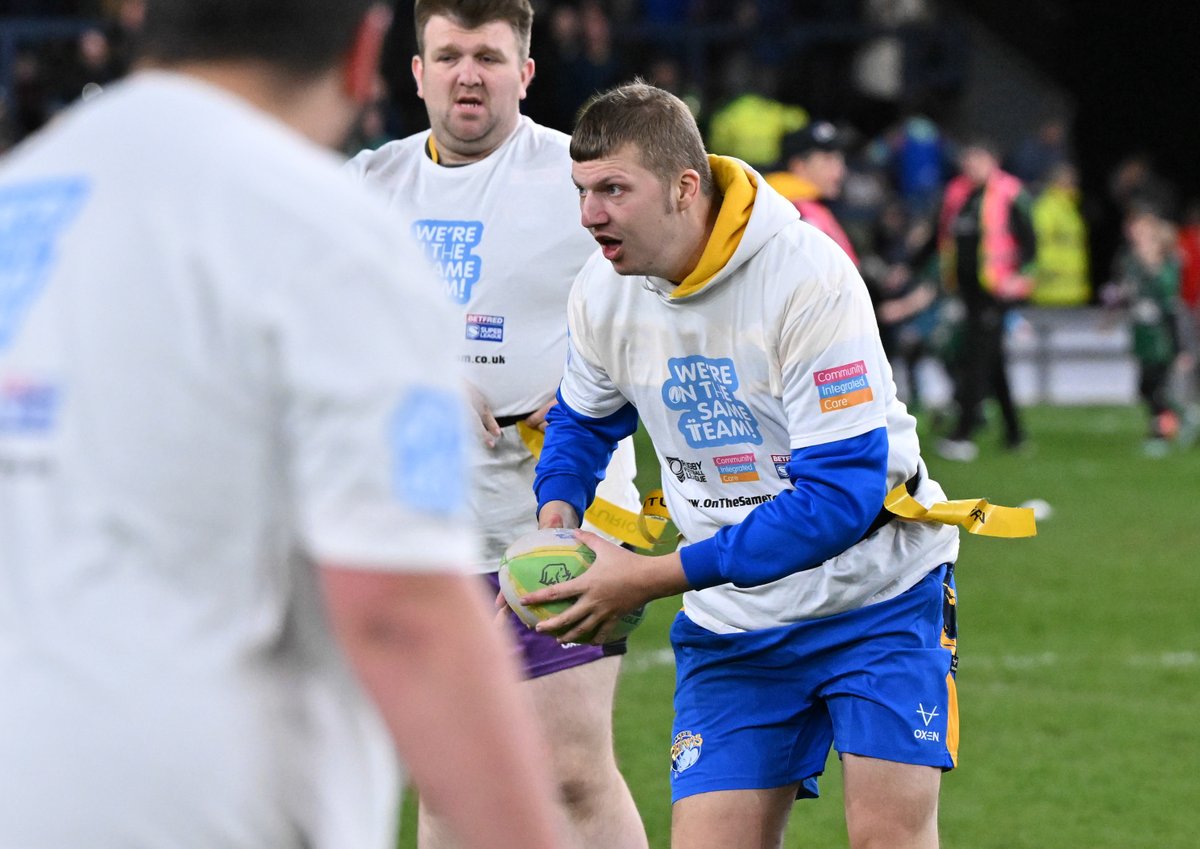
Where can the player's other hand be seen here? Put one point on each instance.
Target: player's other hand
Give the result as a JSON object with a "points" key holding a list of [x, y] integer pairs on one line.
{"points": [[557, 514], [503, 611], [490, 428], [537, 420]]}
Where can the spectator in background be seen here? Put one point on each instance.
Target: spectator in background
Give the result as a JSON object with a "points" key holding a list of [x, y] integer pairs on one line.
{"points": [[1037, 155], [752, 123], [1146, 282], [1061, 276], [914, 154], [91, 68], [987, 247], [599, 64], [580, 61], [815, 162], [377, 124], [126, 25], [905, 295], [31, 94]]}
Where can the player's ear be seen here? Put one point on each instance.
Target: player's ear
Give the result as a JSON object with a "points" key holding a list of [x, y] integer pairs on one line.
{"points": [[687, 189], [362, 63], [527, 71], [418, 68]]}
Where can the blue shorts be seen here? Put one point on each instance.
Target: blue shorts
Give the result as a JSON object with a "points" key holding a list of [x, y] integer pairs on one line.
{"points": [[541, 654], [761, 709]]}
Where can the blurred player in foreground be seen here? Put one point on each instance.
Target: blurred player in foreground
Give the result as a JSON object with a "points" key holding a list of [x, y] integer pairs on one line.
{"points": [[746, 342], [232, 472], [487, 194]]}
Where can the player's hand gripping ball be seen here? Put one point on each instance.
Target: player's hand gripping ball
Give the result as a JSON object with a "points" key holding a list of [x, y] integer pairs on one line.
{"points": [[543, 558]]}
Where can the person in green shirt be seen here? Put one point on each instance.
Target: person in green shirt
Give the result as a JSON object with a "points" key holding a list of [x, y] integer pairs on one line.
{"points": [[1147, 283]]}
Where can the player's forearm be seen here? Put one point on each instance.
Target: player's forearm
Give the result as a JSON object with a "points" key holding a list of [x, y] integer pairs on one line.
{"points": [[577, 452], [446, 684], [826, 512]]}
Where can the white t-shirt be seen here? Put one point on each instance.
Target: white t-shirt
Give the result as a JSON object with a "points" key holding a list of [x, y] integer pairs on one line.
{"points": [[504, 234], [216, 367], [779, 351]]}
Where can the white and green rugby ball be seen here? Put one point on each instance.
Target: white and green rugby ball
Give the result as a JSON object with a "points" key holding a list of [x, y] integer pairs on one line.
{"points": [[541, 559]]}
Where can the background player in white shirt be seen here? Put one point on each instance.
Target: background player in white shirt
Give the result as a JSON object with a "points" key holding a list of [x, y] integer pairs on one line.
{"points": [[232, 472], [745, 340], [487, 194]]}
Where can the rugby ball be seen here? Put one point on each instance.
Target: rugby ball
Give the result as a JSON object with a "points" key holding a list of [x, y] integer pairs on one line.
{"points": [[543, 558]]}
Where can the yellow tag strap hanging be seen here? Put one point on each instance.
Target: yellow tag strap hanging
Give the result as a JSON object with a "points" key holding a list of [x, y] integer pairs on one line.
{"points": [[642, 530], [977, 516]]}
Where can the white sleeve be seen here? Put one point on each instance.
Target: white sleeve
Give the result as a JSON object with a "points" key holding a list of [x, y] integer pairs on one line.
{"points": [[376, 426], [586, 386], [835, 373]]}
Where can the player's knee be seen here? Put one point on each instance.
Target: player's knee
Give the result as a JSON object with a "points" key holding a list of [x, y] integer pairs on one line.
{"points": [[586, 793], [915, 828]]}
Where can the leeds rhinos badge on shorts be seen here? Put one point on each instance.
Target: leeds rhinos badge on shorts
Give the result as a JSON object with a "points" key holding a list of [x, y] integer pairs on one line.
{"points": [[843, 386], [428, 446], [685, 751], [32, 217]]}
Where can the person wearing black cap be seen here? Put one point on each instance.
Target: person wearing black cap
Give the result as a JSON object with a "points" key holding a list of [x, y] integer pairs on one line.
{"points": [[815, 168]]}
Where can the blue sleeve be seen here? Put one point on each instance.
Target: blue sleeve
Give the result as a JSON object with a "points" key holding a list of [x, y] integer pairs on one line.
{"points": [[838, 489], [576, 453]]}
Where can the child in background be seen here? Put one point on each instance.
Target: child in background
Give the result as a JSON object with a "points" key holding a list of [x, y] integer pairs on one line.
{"points": [[1147, 283]]}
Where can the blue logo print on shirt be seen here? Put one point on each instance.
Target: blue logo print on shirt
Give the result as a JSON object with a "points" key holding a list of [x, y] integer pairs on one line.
{"points": [[428, 442], [703, 390], [448, 244], [32, 216]]}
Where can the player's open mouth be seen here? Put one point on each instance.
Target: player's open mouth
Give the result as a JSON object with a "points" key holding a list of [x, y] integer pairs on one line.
{"points": [[469, 104], [609, 246]]}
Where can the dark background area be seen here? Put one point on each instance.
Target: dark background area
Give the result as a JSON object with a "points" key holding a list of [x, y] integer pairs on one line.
{"points": [[1132, 67]]}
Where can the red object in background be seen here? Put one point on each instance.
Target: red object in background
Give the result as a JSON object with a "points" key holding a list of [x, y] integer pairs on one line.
{"points": [[1189, 249]]}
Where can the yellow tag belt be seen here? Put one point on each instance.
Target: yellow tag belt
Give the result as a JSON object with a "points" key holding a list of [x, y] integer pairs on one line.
{"points": [[646, 528]]}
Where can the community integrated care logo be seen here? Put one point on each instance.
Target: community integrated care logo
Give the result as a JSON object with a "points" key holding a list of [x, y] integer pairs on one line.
{"points": [[448, 245], [735, 468], [843, 386], [704, 391]]}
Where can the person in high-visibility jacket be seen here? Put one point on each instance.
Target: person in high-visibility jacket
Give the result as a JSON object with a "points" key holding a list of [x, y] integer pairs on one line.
{"points": [[987, 246], [1061, 273]]}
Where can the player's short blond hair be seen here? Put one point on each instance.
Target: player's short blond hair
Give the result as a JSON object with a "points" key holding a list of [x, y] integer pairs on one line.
{"points": [[656, 122]]}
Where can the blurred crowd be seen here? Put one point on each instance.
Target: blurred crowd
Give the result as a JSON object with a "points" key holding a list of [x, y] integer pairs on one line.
{"points": [[848, 107]]}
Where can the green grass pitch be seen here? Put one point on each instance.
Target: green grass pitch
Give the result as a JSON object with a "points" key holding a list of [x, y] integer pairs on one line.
{"points": [[1079, 676]]}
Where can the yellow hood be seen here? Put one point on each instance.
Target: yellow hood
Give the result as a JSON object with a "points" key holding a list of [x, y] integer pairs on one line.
{"points": [[738, 190]]}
